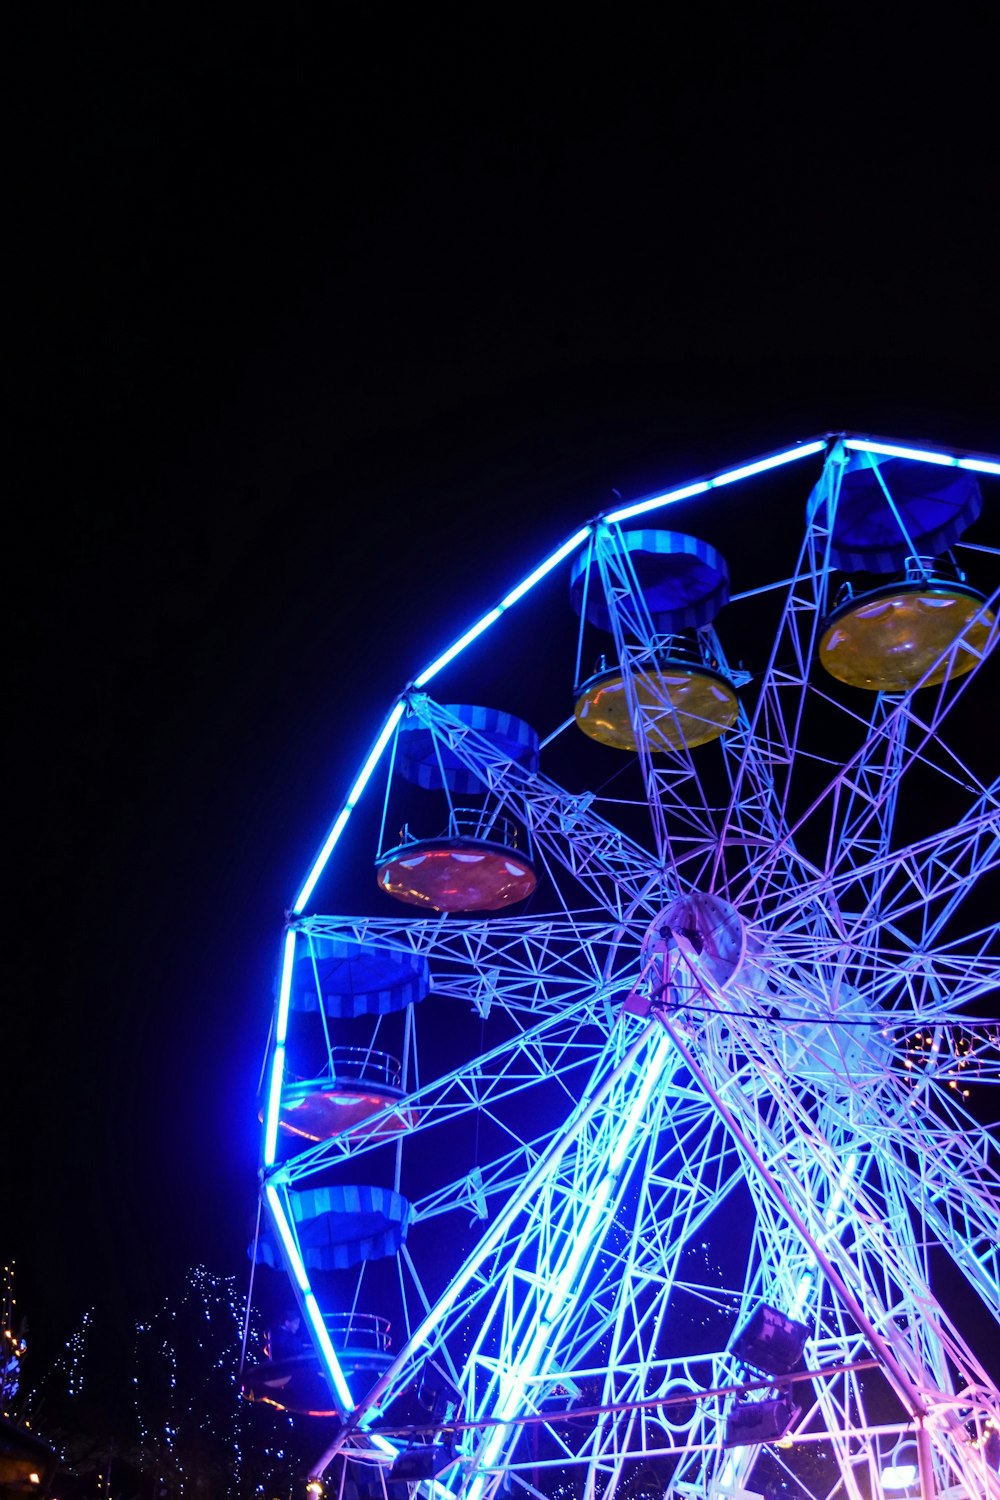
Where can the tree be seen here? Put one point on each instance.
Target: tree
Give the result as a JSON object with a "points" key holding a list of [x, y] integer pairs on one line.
{"points": [[197, 1435]]}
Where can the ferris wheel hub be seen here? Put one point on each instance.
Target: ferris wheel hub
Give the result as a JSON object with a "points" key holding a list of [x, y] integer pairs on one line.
{"points": [[695, 946]]}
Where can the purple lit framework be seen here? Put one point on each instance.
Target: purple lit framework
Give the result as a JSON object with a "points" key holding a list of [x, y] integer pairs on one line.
{"points": [[738, 1047]]}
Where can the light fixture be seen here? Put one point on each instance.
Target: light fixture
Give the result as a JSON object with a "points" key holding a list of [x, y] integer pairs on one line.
{"points": [[902, 1469], [752, 1422], [769, 1341], [437, 1393], [421, 1461]]}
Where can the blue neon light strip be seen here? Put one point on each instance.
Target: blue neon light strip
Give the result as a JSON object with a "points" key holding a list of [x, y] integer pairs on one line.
{"points": [[375, 755], [273, 1112], [840, 1192], [727, 476], [281, 1224], [329, 844], [807, 1278], [327, 1352], [583, 1237], [892, 450], [761, 465], [315, 1318], [273, 1106], [459, 645], [570, 545], [924, 455], [801, 1294], [641, 506], [285, 990]]}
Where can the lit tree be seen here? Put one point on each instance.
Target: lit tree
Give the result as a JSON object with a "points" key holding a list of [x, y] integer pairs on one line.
{"points": [[166, 1421], [13, 1342], [196, 1433]]}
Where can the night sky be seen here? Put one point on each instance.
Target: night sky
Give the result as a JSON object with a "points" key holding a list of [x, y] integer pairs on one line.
{"points": [[326, 329]]}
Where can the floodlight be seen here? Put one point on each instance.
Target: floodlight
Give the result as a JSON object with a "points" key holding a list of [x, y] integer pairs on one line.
{"points": [[421, 1461], [902, 1469], [759, 1422], [769, 1341], [437, 1393]]}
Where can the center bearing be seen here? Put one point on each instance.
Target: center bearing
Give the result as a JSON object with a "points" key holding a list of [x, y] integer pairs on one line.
{"points": [[694, 946]]}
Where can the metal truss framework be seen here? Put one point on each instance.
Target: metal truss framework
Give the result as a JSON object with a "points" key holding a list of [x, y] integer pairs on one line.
{"points": [[614, 1151]]}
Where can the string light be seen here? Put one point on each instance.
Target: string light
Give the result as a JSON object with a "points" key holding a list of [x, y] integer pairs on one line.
{"points": [[13, 1344], [955, 1054], [194, 1422], [194, 1430]]}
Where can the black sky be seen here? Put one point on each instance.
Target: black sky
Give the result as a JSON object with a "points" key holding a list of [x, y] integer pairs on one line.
{"points": [[309, 305]]}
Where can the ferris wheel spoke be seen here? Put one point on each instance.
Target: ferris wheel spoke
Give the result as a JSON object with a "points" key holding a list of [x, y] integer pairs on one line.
{"points": [[553, 1056], [927, 985], [952, 868], [875, 1274], [861, 827], [559, 1207], [647, 1270], [784, 1275], [634, 1275], [924, 885], [929, 877], [636, 1279], [753, 824], [903, 981], [951, 1175], [776, 724], [799, 1153], [658, 1279], [537, 963], [857, 808], [863, 841], [563, 1240]]}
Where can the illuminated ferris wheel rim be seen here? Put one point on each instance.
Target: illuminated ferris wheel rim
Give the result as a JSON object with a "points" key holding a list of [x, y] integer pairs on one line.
{"points": [[274, 1190], [978, 463]]}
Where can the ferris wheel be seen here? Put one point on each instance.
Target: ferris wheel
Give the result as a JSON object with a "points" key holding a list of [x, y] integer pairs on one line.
{"points": [[633, 1131]]}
